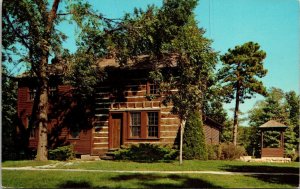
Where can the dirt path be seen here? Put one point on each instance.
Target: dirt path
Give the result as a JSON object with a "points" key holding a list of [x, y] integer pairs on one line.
{"points": [[144, 172]]}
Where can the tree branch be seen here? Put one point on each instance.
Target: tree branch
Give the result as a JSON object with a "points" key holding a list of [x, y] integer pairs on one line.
{"points": [[22, 38]]}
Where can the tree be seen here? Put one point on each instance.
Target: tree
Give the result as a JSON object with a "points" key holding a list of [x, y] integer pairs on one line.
{"points": [[30, 32], [241, 68], [9, 114], [194, 146], [170, 36], [213, 102], [195, 63], [292, 104], [274, 107], [32, 26]]}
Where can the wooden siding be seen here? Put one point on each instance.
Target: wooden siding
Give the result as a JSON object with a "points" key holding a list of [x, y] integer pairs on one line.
{"points": [[212, 134], [119, 94], [58, 133]]}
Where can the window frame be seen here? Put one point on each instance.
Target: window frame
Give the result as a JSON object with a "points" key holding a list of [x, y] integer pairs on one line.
{"points": [[70, 136], [53, 91], [32, 131], [32, 91], [155, 126], [74, 138], [144, 125], [150, 90], [131, 125]]}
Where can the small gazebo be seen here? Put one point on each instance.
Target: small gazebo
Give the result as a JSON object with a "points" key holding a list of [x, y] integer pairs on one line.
{"points": [[271, 151]]}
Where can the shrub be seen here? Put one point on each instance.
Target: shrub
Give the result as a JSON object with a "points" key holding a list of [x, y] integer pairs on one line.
{"points": [[231, 152], [62, 153], [214, 151], [193, 138], [146, 153], [293, 154]]}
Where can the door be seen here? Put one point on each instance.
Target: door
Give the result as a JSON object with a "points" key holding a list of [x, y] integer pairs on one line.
{"points": [[116, 128]]}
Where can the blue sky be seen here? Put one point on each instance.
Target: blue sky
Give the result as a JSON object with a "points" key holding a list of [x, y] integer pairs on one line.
{"points": [[274, 24]]}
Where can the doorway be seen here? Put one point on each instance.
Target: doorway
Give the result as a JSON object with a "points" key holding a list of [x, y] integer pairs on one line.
{"points": [[116, 130]]}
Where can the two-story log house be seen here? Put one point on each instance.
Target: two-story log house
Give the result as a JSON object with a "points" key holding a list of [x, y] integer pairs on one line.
{"points": [[126, 109]]}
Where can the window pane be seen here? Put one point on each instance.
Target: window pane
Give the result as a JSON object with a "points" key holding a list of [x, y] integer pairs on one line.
{"points": [[53, 91], [32, 93], [135, 124], [153, 89], [152, 124]]}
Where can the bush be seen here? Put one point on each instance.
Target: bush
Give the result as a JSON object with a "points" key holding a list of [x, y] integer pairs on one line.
{"points": [[62, 153], [214, 152], [231, 152], [146, 153], [293, 154], [193, 138]]}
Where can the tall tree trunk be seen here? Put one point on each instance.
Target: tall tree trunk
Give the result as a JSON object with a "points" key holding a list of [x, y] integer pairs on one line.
{"points": [[42, 149], [182, 125], [236, 115]]}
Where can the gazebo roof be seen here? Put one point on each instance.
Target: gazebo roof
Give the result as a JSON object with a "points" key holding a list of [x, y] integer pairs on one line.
{"points": [[272, 124]]}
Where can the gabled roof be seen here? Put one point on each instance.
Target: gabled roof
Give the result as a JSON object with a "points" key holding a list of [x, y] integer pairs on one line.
{"points": [[272, 124]]}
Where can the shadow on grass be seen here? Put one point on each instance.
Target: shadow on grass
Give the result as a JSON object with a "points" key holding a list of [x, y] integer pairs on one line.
{"points": [[290, 179], [144, 181], [75, 184], [260, 169], [159, 181]]}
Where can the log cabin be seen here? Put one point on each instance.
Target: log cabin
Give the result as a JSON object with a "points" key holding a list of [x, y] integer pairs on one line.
{"points": [[126, 108]]}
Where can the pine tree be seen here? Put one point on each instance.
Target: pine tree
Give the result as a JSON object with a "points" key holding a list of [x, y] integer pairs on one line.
{"points": [[241, 68], [193, 138], [292, 133], [274, 107]]}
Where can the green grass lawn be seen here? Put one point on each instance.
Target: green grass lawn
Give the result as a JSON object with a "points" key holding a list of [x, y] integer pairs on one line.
{"points": [[189, 165], [26, 163], [59, 179]]}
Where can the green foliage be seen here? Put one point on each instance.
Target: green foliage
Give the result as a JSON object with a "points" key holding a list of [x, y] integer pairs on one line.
{"points": [[213, 107], [279, 106], [226, 135], [230, 152], [146, 152], [292, 133], [242, 65], [271, 139], [150, 32], [238, 76], [225, 151], [28, 32], [194, 146], [9, 115], [83, 74], [62, 153], [214, 151]]}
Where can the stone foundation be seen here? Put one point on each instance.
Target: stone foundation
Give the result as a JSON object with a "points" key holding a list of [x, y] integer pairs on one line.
{"points": [[266, 159]]}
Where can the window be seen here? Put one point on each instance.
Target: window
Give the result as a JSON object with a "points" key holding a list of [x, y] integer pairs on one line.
{"points": [[143, 125], [32, 93], [153, 124], [52, 91], [153, 89], [74, 132], [32, 134], [135, 124]]}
